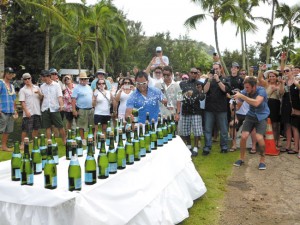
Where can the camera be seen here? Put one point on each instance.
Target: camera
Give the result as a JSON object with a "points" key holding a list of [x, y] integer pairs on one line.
{"points": [[212, 71]]}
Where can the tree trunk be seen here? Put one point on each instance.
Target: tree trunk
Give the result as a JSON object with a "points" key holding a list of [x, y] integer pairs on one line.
{"points": [[2, 43], [79, 59], [104, 61], [96, 51], [270, 35], [47, 47], [218, 50], [246, 53], [243, 48]]}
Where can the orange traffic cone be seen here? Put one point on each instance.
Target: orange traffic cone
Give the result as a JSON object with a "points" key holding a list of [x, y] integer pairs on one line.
{"points": [[269, 141]]}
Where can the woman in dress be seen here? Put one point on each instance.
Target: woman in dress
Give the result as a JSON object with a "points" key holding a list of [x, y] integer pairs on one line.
{"points": [[126, 88], [102, 101], [286, 111], [274, 86], [67, 93]]}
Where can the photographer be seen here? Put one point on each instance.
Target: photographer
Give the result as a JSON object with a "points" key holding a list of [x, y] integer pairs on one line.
{"points": [[216, 88]]}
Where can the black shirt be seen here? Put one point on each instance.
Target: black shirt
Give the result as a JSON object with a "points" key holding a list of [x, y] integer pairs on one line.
{"points": [[236, 82]]}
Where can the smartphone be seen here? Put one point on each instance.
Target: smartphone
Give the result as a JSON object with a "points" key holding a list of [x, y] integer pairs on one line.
{"points": [[126, 86]]}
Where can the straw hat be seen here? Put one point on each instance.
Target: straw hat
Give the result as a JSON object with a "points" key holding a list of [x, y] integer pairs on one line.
{"points": [[266, 74], [82, 75]]}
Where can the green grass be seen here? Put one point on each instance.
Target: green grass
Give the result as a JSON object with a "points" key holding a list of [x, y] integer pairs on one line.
{"points": [[214, 170]]}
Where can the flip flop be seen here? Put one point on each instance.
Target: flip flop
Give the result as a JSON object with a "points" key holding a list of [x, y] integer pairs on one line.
{"points": [[7, 150], [252, 151], [284, 150], [232, 149], [292, 152]]}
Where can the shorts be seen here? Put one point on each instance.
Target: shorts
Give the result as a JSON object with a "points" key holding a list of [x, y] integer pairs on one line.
{"points": [[191, 122], [69, 116], [251, 122], [6, 123], [85, 118], [295, 121], [51, 118], [101, 119], [32, 123], [241, 119]]}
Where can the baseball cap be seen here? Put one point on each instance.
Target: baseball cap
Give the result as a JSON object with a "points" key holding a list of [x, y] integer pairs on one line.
{"points": [[53, 70], [45, 73], [158, 49], [100, 71], [26, 75], [9, 70], [235, 64]]}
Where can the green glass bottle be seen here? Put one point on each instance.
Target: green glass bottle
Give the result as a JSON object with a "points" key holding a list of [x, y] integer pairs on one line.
{"points": [[129, 148], [170, 134], [78, 139], [91, 135], [121, 154], [54, 149], [50, 171], [148, 119], [43, 149], [98, 135], [74, 171], [142, 141], [123, 125], [153, 136], [69, 145], [102, 160], [108, 130], [36, 157], [159, 133], [116, 131], [112, 155], [16, 163], [136, 145], [174, 127], [135, 114], [26, 167], [147, 137], [90, 168], [165, 130]]}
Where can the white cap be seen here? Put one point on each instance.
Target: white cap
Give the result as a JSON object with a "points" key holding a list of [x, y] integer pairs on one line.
{"points": [[158, 49]]}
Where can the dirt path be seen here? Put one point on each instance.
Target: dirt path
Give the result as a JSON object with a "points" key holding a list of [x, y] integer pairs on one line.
{"points": [[269, 197]]}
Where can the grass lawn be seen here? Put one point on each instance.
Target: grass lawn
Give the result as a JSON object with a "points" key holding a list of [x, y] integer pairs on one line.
{"points": [[214, 170]]}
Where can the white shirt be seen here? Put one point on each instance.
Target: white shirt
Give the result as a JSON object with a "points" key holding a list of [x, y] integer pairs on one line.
{"points": [[51, 94], [122, 106], [102, 104], [32, 100]]}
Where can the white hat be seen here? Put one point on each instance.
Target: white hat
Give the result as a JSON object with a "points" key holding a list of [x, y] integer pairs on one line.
{"points": [[26, 75], [158, 49], [270, 71]]}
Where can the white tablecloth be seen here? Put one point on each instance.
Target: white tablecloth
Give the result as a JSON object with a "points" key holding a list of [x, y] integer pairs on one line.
{"points": [[156, 190]]}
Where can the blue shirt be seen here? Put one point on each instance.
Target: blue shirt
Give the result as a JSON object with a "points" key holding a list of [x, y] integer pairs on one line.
{"points": [[262, 111], [94, 83], [83, 95], [144, 104], [7, 98]]}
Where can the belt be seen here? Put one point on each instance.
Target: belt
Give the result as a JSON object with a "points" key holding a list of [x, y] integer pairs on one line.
{"points": [[85, 108]]}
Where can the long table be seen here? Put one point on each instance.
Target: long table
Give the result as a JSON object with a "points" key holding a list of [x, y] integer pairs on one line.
{"points": [[159, 189]]}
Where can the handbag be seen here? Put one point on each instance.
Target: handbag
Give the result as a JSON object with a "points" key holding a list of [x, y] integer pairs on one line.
{"points": [[111, 109]]}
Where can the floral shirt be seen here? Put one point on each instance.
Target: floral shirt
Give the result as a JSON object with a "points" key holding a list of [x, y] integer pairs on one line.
{"points": [[67, 97]]}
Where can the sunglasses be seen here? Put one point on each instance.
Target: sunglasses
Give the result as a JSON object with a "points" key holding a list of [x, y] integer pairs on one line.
{"points": [[286, 71], [26, 78], [243, 73], [53, 73], [84, 78], [194, 72], [126, 82], [141, 83], [101, 83], [158, 51]]}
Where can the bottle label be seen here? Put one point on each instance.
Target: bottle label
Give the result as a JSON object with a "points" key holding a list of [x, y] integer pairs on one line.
{"points": [[107, 141], [88, 177], [70, 154], [18, 155], [131, 158], [78, 138], [98, 144], [74, 163], [90, 136], [160, 142], [43, 163], [30, 178], [54, 181], [143, 151], [124, 163], [124, 137], [38, 167], [152, 145], [56, 159], [50, 181], [43, 150], [88, 157], [17, 173], [112, 167], [170, 136], [77, 183], [112, 150], [79, 151], [136, 119]]}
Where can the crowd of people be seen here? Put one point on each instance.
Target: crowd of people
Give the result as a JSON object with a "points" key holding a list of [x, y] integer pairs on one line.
{"points": [[202, 103]]}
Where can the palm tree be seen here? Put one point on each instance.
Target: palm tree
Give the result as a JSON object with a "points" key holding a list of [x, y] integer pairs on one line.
{"points": [[287, 46], [47, 13], [4, 7], [290, 17], [217, 9], [108, 28]]}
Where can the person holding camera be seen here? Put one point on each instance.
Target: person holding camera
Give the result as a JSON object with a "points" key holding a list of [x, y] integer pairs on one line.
{"points": [[216, 106], [192, 93]]}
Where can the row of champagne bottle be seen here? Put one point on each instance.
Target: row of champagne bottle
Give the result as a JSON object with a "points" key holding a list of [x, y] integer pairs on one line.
{"points": [[108, 161]]}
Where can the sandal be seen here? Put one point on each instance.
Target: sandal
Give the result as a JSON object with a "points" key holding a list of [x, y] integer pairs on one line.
{"points": [[252, 151], [232, 149], [284, 150], [292, 152]]}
